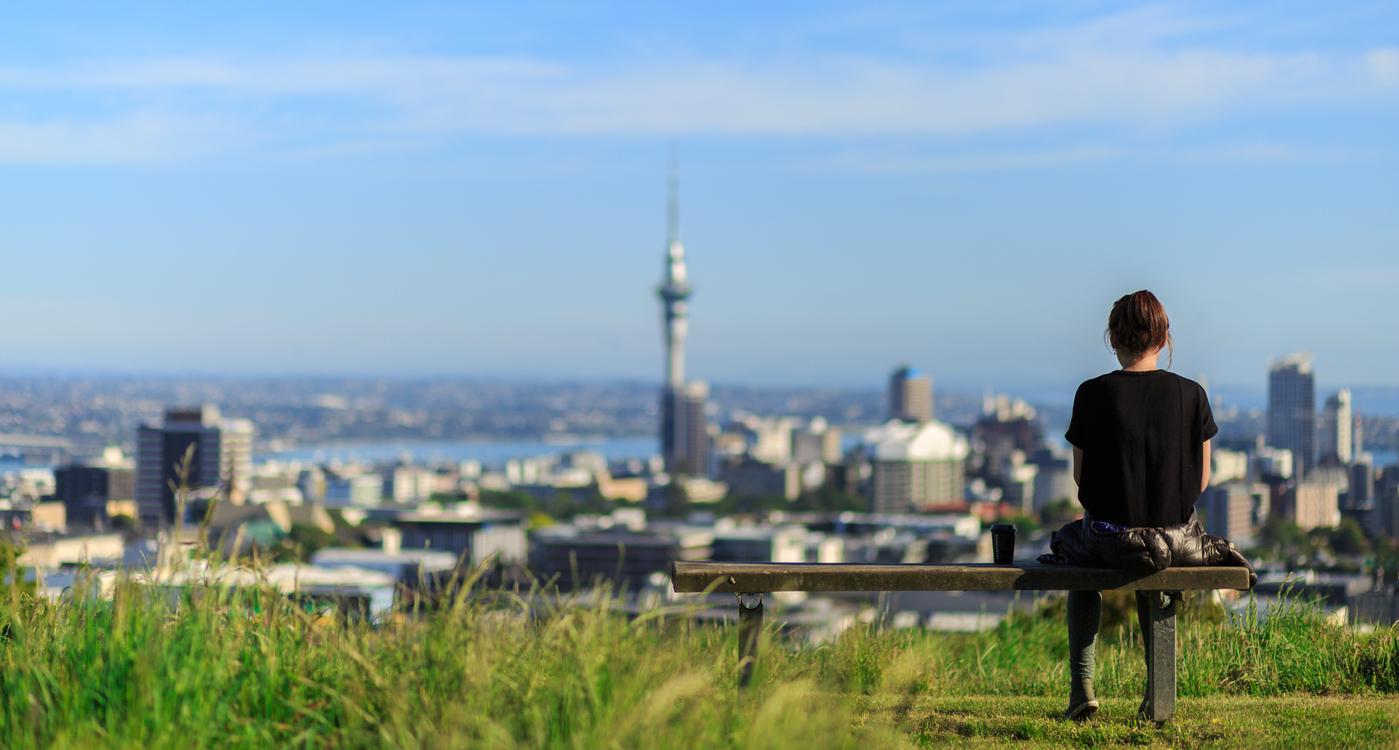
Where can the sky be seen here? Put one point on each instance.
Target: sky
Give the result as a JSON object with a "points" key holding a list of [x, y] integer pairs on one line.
{"points": [[423, 188]]}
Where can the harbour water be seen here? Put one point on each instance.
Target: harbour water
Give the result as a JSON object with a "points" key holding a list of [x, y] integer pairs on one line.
{"points": [[488, 452]]}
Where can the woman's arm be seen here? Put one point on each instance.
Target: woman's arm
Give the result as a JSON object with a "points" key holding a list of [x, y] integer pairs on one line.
{"points": [[1078, 464], [1204, 467]]}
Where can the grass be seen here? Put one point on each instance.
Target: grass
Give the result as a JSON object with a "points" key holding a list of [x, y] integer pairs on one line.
{"points": [[1233, 722], [248, 669]]}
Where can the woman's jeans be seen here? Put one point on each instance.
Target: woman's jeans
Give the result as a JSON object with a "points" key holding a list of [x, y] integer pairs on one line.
{"points": [[1085, 612]]}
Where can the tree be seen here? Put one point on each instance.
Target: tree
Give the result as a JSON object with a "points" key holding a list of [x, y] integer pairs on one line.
{"points": [[124, 522], [829, 500], [1280, 539], [1060, 512], [301, 542], [676, 502], [1348, 538], [1024, 524]]}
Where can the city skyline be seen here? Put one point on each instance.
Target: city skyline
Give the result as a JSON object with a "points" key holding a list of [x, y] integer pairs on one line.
{"points": [[436, 190]]}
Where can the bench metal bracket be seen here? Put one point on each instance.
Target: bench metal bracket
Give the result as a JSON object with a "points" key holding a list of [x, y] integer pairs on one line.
{"points": [[750, 628]]}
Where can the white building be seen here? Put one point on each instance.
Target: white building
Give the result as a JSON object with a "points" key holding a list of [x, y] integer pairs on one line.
{"points": [[1315, 504], [1230, 466], [1272, 462], [409, 484], [771, 438], [817, 442], [916, 464], [1336, 427], [1055, 479]]}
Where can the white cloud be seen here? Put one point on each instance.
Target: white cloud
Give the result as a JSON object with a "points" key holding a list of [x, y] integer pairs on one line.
{"points": [[1271, 153], [980, 161], [1137, 69], [130, 139], [821, 95], [1384, 66]]}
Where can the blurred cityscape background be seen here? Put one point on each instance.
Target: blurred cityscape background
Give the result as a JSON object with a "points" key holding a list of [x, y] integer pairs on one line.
{"points": [[369, 297]]}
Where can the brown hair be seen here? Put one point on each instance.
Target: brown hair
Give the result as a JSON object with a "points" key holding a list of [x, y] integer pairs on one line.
{"points": [[1138, 324]]}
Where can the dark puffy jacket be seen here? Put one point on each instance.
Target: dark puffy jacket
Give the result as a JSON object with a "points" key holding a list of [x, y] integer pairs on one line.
{"points": [[1142, 550]]}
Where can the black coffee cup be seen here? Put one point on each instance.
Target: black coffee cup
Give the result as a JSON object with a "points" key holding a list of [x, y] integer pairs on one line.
{"points": [[1003, 543]]}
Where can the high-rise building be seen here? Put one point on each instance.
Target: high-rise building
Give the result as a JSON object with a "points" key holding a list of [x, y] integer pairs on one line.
{"points": [[910, 395], [1336, 429], [691, 453], [1361, 495], [1384, 519], [684, 430], [1292, 410], [221, 461]]}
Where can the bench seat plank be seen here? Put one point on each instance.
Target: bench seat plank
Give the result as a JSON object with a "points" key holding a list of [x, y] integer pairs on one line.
{"points": [[693, 577]]}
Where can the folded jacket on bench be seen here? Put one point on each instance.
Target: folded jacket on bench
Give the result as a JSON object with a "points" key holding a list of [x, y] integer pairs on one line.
{"points": [[1145, 549]]}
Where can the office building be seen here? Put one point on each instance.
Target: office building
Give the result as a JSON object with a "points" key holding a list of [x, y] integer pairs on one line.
{"points": [[1384, 519], [1314, 504], [819, 442], [569, 556], [475, 537], [1361, 497], [221, 461], [311, 481], [1235, 510], [690, 445], [1018, 487], [352, 488], [1054, 480], [915, 465], [1292, 410], [1227, 465], [768, 439], [1005, 436], [409, 484], [910, 395], [783, 544], [1271, 463], [86, 491], [746, 476], [1336, 430]]}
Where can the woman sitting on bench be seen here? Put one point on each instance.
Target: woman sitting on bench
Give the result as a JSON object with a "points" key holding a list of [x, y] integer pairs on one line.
{"points": [[1141, 448]]}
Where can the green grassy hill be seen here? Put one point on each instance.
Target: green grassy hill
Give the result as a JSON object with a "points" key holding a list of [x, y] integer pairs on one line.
{"points": [[245, 670]]}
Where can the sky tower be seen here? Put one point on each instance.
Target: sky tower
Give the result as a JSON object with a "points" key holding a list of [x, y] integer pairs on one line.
{"points": [[674, 291], [684, 434]]}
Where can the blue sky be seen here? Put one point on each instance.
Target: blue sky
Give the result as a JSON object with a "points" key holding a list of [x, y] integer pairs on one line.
{"points": [[453, 188]]}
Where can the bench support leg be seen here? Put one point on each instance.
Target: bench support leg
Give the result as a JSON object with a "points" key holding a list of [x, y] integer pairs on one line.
{"points": [[750, 627], [1160, 638]]}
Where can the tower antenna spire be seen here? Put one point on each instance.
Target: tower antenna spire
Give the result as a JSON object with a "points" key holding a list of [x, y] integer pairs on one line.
{"points": [[672, 200]]}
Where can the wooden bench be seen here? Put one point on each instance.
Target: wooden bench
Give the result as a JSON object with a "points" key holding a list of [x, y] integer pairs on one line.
{"points": [[751, 580]]}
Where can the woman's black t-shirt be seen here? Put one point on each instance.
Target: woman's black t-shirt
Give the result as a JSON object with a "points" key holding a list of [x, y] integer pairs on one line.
{"points": [[1142, 435]]}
